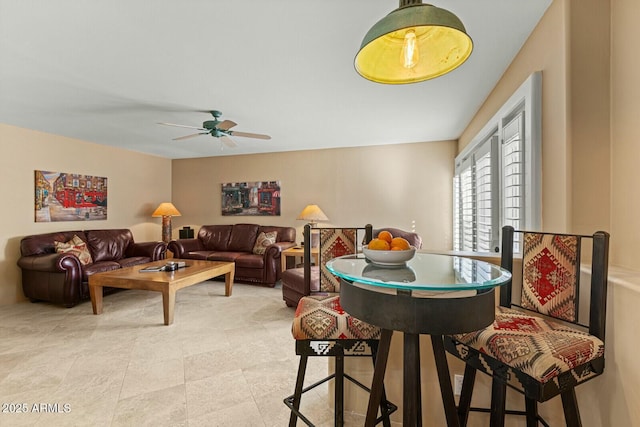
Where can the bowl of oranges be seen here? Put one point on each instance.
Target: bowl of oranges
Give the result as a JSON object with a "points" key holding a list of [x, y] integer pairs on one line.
{"points": [[388, 250]]}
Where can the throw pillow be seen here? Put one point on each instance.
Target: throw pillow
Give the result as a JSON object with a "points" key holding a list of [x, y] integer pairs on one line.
{"points": [[263, 241], [77, 247]]}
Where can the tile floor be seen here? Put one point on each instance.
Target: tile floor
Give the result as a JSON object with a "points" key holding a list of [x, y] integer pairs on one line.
{"points": [[224, 362]]}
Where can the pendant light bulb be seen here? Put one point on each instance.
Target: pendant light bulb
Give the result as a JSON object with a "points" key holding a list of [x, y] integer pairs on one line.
{"points": [[410, 55]]}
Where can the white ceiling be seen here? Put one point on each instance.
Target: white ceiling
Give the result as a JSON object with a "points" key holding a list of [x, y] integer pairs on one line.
{"points": [[108, 71]]}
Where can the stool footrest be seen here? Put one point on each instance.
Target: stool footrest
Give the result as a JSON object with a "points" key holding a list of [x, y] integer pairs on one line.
{"points": [[389, 408]]}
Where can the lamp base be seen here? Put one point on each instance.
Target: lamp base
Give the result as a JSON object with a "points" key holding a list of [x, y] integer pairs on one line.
{"points": [[315, 238], [166, 229]]}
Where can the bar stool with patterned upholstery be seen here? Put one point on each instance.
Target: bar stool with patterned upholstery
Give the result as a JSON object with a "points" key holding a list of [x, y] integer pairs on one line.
{"points": [[322, 328]]}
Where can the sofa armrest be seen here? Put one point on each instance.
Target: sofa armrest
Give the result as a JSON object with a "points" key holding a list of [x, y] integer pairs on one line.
{"points": [[182, 246], [277, 248], [154, 250], [51, 263], [272, 264]]}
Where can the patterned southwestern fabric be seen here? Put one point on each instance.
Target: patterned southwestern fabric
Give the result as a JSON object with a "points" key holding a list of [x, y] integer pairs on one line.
{"points": [[263, 241], [540, 348], [76, 246], [334, 242], [322, 317], [550, 275]]}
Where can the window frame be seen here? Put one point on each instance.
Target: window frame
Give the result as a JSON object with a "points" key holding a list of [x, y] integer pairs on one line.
{"points": [[527, 100]]}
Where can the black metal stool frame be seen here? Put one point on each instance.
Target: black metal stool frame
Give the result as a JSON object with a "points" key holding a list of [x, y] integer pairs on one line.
{"points": [[339, 350]]}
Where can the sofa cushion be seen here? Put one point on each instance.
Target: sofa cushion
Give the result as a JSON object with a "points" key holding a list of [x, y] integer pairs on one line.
{"points": [[108, 245], [263, 241], [40, 244], [215, 237], [99, 267], [77, 247], [223, 256], [131, 261], [197, 255], [250, 261], [243, 237]]}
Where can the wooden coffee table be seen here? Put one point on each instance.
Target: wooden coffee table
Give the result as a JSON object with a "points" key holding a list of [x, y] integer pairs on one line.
{"points": [[160, 281]]}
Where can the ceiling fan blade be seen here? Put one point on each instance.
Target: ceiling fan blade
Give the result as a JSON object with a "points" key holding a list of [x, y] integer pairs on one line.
{"points": [[181, 126], [251, 135], [190, 136], [228, 141], [226, 125]]}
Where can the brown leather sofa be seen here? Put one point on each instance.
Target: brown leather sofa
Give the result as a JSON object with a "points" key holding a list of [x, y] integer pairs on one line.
{"points": [[237, 243], [61, 278]]}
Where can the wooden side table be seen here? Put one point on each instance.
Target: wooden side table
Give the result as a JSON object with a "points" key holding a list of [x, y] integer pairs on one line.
{"points": [[297, 252]]}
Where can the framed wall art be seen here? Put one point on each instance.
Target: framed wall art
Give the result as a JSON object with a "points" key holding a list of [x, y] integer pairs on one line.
{"points": [[251, 198], [61, 196]]}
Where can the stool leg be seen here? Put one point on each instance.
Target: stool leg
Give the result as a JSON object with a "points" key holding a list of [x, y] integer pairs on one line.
{"points": [[297, 395], [498, 402], [377, 386], [338, 414], [532, 412], [571, 411]]}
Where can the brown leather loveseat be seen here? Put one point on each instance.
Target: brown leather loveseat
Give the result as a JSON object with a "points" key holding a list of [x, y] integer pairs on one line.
{"points": [[256, 249], [56, 266]]}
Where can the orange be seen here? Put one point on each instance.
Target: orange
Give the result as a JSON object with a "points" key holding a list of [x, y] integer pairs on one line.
{"points": [[385, 235], [400, 244], [378, 245]]}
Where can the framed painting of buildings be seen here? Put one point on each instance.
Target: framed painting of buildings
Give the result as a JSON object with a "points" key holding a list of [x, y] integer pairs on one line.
{"points": [[251, 198], [61, 196]]}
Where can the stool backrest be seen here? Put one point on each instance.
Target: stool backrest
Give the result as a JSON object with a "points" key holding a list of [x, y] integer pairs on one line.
{"points": [[551, 273], [334, 242]]}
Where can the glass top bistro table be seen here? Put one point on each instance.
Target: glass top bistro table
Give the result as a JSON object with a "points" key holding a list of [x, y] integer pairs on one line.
{"points": [[430, 294]]}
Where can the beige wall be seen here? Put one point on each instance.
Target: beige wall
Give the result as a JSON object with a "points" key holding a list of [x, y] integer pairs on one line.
{"points": [[625, 134], [137, 184], [576, 114], [546, 51], [591, 88], [396, 185]]}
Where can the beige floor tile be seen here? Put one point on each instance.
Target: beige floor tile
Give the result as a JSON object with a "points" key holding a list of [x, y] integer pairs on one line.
{"points": [[142, 377], [245, 414], [225, 361], [216, 393], [157, 408]]}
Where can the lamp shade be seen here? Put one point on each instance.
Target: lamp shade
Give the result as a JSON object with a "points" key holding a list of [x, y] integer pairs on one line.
{"points": [[413, 43], [166, 209], [313, 214]]}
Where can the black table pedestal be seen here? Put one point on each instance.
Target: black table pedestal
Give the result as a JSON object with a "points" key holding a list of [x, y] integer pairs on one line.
{"points": [[414, 315]]}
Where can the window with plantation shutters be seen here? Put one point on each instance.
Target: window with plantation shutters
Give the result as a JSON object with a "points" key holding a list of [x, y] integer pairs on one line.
{"points": [[497, 177]]}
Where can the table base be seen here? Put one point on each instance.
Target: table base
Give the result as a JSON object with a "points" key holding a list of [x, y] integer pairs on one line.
{"points": [[415, 316]]}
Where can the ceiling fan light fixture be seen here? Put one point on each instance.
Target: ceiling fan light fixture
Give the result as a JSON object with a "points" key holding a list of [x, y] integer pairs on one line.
{"points": [[413, 43]]}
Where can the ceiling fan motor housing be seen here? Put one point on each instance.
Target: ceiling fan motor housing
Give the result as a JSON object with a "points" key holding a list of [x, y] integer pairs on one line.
{"points": [[210, 124]]}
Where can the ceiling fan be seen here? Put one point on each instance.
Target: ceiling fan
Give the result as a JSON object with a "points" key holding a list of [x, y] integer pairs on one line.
{"points": [[217, 129]]}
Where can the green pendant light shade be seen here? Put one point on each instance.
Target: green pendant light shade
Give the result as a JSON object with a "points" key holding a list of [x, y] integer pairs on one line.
{"points": [[415, 42]]}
